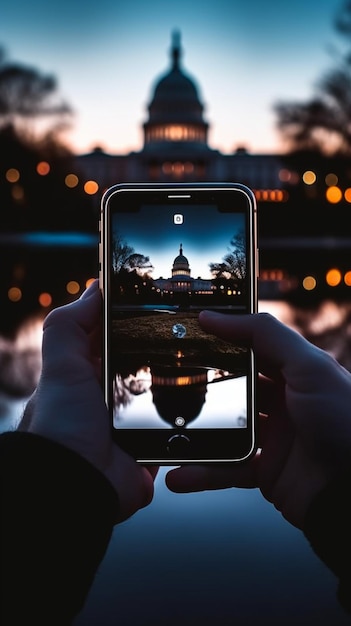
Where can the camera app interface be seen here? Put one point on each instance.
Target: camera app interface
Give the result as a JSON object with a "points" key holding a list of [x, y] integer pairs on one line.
{"points": [[168, 264]]}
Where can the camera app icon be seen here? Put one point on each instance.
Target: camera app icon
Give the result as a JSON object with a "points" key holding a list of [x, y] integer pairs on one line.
{"points": [[178, 218]]}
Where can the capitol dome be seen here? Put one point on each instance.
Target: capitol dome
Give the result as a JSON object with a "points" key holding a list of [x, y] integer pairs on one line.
{"points": [[175, 109], [181, 264]]}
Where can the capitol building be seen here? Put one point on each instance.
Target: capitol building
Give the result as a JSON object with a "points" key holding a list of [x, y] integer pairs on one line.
{"points": [[181, 280], [300, 235], [175, 146]]}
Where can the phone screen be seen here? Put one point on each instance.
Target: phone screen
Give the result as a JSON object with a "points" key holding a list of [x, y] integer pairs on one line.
{"points": [[169, 258]]}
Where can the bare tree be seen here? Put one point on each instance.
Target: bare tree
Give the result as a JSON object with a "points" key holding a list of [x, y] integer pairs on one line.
{"points": [[28, 96], [233, 265], [121, 252], [324, 122], [125, 258]]}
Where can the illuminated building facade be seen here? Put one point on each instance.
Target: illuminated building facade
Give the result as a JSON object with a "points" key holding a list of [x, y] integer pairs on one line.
{"points": [[303, 207], [176, 147], [295, 225], [181, 280]]}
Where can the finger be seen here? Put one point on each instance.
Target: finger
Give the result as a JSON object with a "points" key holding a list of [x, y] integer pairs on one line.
{"points": [[93, 287], [85, 312], [149, 474], [153, 470], [191, 478], [134, 483], [67, 339], [277, 347], [26, 418]]}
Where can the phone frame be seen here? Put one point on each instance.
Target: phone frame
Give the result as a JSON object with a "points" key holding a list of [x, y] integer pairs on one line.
{"points": [[176, 450]]}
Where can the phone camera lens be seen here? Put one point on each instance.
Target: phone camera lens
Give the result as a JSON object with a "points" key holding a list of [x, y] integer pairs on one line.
{"points": [[179, 421]]}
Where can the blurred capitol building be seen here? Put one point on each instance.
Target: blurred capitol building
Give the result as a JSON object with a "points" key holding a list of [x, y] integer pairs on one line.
{"points": [[175, 145], [48, 256], [303, 200]]}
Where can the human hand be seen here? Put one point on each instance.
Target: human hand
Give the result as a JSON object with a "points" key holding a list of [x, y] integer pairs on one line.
{"points": [[68, 405], [304, 430]]}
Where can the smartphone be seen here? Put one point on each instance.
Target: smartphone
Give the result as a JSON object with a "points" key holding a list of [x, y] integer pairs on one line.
{"points": [[176, 394]]}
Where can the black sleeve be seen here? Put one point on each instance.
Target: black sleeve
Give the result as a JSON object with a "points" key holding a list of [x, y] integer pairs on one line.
{"points": [[57, 516], [328, 529]]}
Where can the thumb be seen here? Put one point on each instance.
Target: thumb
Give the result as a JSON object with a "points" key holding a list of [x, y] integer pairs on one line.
{"points": [[67, 331]]}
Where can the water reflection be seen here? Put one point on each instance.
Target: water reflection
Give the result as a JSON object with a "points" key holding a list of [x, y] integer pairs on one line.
{"points": [[150, 404], [328, 325]]}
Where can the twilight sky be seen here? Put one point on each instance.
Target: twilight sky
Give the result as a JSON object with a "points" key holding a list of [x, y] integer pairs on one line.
{"points": [[245, 55], [152, 232]]}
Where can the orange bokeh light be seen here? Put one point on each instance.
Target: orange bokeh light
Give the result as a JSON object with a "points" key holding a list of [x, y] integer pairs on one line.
{"points": [[73, 287], [89, 282], [309, 177], [14, 294], [333, 194], [12, 175], [333, 277], [71, 181], [309, 283], [43, 168], [45, 299], [91, 187]]}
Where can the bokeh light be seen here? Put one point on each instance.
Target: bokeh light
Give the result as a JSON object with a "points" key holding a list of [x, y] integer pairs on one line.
{"points": [[14, 294], [89, 282], [17, 193], [309, 177], [91, 187], [71, 181], [271, 195], [331, 180], [45, 299], [72, 287], [43, 168], [284, 175], [333, 194], [333, 277], [12, 175], [309, 283]]}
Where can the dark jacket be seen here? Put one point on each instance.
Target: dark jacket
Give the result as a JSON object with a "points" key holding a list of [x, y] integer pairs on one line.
{"points": [[57, 518]]}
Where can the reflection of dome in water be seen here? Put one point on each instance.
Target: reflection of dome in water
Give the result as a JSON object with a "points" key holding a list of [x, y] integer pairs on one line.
{"points": [[184, 376], [179, 392]]}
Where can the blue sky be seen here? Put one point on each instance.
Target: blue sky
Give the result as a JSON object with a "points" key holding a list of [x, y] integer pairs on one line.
{"points": [[245, 55], [204, 241]]}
